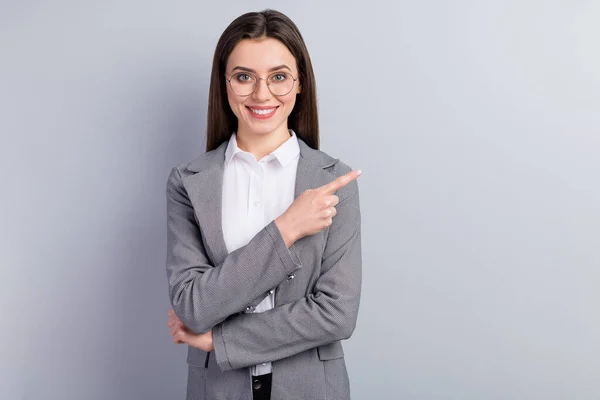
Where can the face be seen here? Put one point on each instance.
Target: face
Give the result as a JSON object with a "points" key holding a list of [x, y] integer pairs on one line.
{"points": [[261, 112]]}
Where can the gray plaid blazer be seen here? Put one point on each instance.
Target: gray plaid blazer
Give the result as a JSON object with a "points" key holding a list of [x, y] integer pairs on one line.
{"points": [[317, 285]]}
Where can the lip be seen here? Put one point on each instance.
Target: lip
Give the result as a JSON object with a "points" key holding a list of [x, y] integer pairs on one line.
{"points": [[262, 116]]}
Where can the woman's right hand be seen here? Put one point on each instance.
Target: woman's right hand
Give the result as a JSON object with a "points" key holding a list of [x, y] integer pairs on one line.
{"points": [[313, 210]]}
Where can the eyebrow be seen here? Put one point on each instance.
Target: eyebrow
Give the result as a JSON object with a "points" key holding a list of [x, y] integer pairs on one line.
{"points": [[282, 66]]}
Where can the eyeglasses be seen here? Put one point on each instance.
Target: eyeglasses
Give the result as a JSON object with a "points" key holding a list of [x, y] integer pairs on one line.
{"points": [[244, 83]]}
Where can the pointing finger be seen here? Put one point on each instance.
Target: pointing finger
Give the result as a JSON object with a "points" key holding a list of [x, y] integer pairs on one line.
{"points": [[341, 181]]}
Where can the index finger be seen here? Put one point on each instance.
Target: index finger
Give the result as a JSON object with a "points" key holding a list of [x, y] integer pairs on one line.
{"points": [[341, 181]]}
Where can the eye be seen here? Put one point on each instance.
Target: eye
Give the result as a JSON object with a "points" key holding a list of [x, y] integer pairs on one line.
{"points": [[242, 77], [279, 77]]}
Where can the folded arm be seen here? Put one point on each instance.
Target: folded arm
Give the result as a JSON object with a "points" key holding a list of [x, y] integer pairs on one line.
{"points": [[326, 315], [203, 295]]}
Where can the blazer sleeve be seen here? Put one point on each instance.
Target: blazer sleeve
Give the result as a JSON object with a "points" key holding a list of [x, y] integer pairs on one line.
{"points": [[326, 315], [203, 295]]}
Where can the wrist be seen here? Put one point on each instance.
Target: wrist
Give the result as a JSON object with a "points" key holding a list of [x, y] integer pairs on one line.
{"points": [[287, 233], [211, 343]]}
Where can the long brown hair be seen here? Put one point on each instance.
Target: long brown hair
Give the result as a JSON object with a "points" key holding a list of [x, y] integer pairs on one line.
{"points": [[221, 121]]}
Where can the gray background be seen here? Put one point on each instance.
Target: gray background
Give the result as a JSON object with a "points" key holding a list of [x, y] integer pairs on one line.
{"points": [[476, 124]]}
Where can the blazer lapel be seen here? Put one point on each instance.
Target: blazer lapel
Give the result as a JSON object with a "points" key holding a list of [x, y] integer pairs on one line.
{"points": [[205, 189], [310, 175]]}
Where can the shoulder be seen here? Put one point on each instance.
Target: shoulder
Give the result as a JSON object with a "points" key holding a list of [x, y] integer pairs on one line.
{"points": [[326, 161], [203, 161]]}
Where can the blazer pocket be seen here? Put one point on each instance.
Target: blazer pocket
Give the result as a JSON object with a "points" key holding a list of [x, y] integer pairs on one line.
{"points": [[330, 351]]}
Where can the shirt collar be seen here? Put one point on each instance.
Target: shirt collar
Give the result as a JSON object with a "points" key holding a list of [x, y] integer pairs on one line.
{"points": [[285, 153], [232, 149]]}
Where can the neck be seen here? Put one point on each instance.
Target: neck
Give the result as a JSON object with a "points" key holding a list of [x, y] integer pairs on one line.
{"points": [[261, 144]]}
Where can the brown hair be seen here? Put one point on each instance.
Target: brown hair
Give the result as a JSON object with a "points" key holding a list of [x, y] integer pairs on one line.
{"points": [[221, 122]]}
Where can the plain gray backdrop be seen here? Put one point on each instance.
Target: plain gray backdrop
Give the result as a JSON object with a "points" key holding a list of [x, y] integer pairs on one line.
{"points": [[476, 125]]}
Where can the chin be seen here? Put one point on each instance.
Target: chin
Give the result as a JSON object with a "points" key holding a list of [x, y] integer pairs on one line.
{"points": [[263, 128]]}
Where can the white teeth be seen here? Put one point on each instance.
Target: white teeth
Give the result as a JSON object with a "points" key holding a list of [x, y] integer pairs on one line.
{"points": [[262, 112]]}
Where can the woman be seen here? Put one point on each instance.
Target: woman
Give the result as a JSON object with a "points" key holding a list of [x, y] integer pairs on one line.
{"points": [[263, 252]]}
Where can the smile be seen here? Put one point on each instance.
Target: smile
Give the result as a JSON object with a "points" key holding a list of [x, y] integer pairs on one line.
{"points": [[262, 112]]}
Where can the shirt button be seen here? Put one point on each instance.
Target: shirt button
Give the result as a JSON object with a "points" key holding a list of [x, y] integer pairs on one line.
{"points": [[257, 384], [264, 364], [256, 203]]}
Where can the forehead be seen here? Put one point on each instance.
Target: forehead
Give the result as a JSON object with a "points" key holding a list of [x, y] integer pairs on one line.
{"points": [[260, 55]]}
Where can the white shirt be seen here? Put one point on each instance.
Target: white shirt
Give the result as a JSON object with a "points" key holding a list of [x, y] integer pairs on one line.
{"points": [[254, 194]]}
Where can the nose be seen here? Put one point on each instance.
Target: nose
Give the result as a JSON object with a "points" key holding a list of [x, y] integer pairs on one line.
{"points": [[261, 92]]}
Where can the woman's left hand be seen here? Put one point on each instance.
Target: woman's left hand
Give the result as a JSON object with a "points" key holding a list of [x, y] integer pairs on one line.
{"points": [[182, 334]]}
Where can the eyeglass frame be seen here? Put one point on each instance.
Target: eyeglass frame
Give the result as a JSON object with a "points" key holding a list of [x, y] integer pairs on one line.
{"points": [[259, 79]]}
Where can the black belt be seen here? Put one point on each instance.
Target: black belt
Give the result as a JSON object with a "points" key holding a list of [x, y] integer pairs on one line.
{"points": [[261, 387]]}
